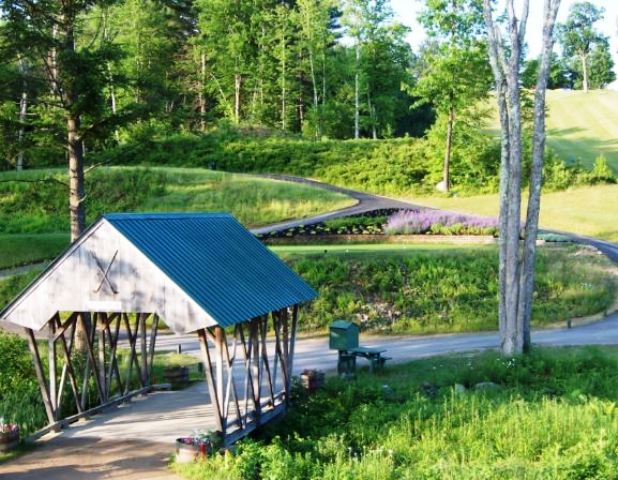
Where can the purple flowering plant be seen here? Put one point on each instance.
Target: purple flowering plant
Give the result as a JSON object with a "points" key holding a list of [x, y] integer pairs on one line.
{"points": [[439, 222]]}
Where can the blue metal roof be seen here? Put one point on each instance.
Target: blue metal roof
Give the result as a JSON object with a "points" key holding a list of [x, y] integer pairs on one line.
{"points": [[216, 261]]}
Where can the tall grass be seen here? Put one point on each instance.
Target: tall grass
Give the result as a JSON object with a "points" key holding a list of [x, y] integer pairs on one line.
{"points": [[425, 291], [551, 415]]}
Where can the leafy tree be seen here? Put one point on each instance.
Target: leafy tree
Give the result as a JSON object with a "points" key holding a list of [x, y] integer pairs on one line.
{"points": [[559, 74], [600, 67], [455, 74], [579, 37]]}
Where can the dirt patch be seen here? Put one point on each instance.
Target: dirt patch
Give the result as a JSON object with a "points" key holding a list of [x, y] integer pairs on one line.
{"points": [[91, 458]]}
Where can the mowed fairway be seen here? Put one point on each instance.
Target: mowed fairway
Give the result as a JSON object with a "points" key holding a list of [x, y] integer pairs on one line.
{"points": [[581, 126], [590, 211]]}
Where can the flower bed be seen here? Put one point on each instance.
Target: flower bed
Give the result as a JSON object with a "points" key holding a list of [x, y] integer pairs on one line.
{"points": [[437, 222], [391, 222]]}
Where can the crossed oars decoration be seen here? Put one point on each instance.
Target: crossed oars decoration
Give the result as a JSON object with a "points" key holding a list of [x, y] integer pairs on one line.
{"points": [[105, 272]]}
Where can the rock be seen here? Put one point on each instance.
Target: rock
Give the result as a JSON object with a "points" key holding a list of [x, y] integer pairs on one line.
{"points": [[430, 389], [486, 386], [459, 388], [441, 186]]}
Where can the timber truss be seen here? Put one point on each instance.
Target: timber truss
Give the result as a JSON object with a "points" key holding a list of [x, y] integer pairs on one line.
{"points": [[248, 367], [249, 376], [96, 376]]}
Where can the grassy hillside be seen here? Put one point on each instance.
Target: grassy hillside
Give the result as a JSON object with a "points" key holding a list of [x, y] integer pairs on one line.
{"points": [[34, 218], [582, 126]]}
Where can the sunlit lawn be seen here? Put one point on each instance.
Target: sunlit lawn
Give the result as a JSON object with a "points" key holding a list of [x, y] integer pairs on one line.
{"points": [[590, 211]]}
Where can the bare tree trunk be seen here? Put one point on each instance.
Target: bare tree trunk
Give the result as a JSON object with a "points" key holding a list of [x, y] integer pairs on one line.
{"points": [[23, 115], [237, 86], [516, 268], [201, 96], [449, 149], [283, 83], [315, 93], [536, 174], [585, 71], [356, 95]]}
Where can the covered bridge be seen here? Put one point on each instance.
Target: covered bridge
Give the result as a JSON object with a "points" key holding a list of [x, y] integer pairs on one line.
{"points": [[199, 272]]}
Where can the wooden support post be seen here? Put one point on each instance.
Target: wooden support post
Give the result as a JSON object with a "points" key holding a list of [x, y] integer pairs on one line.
{"points": [[153, 339], [38, 368], [255, 366], [218, 333], [90, 334], [265, 360], [290, 358], [51, 365], [101, 350], [214, 399], [69, 366], [143, 348]]}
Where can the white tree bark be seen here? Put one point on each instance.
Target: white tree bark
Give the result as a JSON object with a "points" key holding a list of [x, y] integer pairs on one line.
{"points": [[516, 267], [357, 94]]}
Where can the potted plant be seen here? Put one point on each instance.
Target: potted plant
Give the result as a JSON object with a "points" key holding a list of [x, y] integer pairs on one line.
{"points": [[312, 379], [9, 435], [198, 446]]}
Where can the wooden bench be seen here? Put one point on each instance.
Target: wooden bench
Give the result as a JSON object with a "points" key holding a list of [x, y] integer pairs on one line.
{"points": [[374, 355]]}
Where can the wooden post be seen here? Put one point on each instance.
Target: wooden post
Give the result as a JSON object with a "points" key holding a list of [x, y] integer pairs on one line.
{"points": [[101, 351], [292, 345], [214, 399], [219, 366], [38, 368], [143, 350], [153, 339], [69, 365], [255, 367], [51, 359], [90, 334]]}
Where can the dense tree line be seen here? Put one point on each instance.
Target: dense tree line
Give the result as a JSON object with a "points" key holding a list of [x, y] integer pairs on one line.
{"points": [[322, 68]]}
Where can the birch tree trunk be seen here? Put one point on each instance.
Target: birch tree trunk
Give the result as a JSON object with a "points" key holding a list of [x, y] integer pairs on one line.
{"points": [[201, 87], [516, 267], [23, 115], [237, 86], [585, 72], [357, 94], [315, 93], [446, 177], [536, 174]]}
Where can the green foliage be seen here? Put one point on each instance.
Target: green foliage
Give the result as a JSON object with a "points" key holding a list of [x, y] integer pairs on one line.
{"points": [[20, 398], [559, 175], [36, 201], [551, 416], [446, 291]]}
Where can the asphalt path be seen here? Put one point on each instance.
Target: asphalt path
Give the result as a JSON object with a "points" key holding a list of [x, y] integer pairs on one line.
{"points": [[313, 352], [367, 202]]}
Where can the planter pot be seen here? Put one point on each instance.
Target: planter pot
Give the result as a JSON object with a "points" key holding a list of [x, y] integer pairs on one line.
{"points": [[9, 440], [177, 376], [187, 450], [312, 380]]}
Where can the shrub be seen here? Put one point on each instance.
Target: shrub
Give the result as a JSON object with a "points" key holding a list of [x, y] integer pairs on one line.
{"points": [[439, 222]]}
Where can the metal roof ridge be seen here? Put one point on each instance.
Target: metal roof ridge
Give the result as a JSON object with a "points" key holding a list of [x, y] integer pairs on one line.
{"points": [[163, 215]]}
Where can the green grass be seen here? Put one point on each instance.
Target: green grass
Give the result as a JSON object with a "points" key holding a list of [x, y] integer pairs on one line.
{"points": [[552, 415], [581, 126], [590, 211], [33, 214], [24, 249], [388, 249], [435, 290]]}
